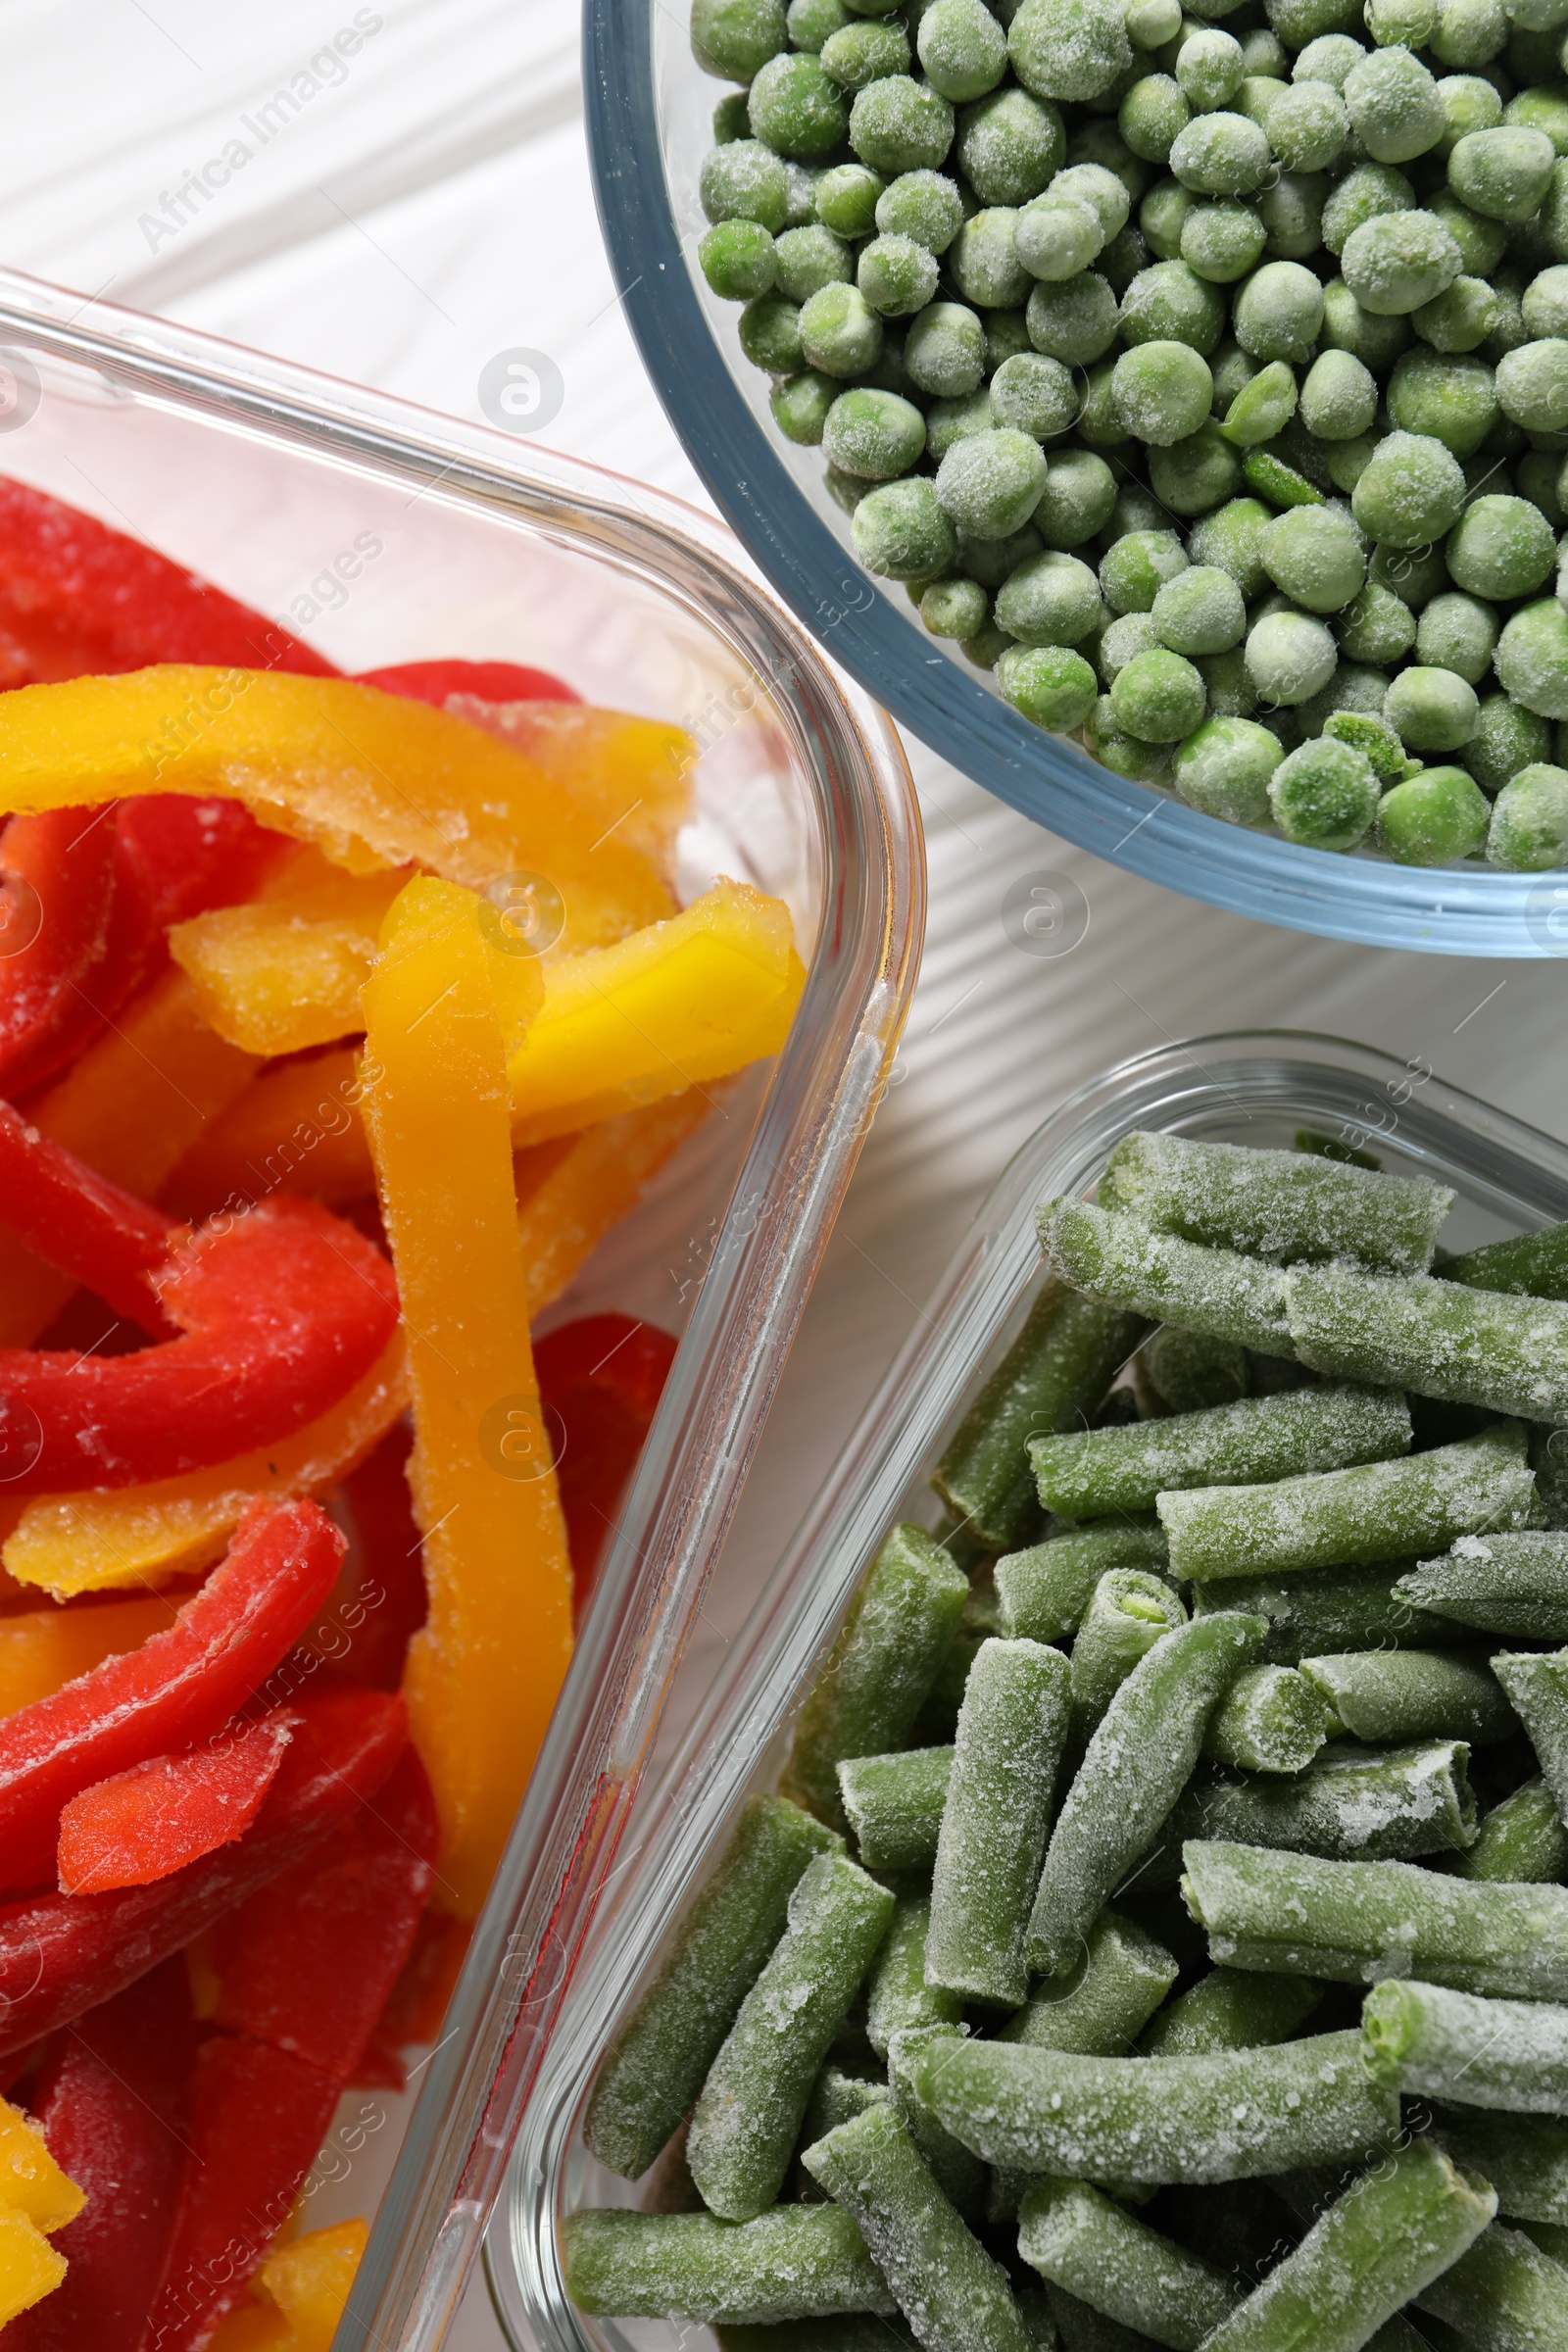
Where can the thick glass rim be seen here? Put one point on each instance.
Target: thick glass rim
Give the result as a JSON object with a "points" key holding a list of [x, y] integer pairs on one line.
{"points": [[1453, 910]]}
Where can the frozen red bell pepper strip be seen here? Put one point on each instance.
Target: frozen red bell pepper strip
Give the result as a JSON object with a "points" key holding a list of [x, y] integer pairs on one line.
{"points": [[159, 1817], [57, 885], [282, 1310], [179, 1687], [492, 681], [78, 1221], [599, 1381], [79, 599], [391, 1598], [113, 2100], [61, 1954]]}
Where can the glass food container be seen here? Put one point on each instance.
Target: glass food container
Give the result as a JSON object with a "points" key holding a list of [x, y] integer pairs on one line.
{"points": [[381, 533], [650, 119], [1256, 1089]]}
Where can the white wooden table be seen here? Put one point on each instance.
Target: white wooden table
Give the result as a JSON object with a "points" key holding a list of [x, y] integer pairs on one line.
{"points": [[401, 211]]}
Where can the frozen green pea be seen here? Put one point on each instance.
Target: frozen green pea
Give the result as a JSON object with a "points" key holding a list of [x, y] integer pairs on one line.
{"points": [[798, 2262], [944, 350], [1233, 539], [1432, 710], [1221, 241], [1307, 126], [1352, 691], [795, 109], [1006, 336], [769, 333], [1507, 738], [949, 420], [1223, 2116], [1289, 656], [1401, 23], [1521, 1841], [1365, 194], [924, 206], [1324, 795], [1011, 1729], [1435, 819], [1074, 323], [1136, 510], [1372, 735], [1128, 1612], [1482, 243], [1158, 698], [1532, 386], [1270, 1720], [1209, 68], [1290, 212], [1348, 461], [1073, 51], [1231, 2009], [1132, 634], [1458, 633], [1458, 319], [1170, 303], [1546, 303], [1196, 474], [1411, 493], [1264, 51], [1220, 154], [1469, 103], [840, 332], [1162, 391], [1122, 258], [1329, 58], [1089, 180], [800, 406], [956, 2296], [1034, 395], [896, 275], [863, 53], [744, 180], [809, 258], [1057, 238], [1406, 1694], [1162, 216], [1048, 685], [846, 490], [1200, 612], [873, 434], [1449, 400], [1528, 829], [1532, 659], [984, 263], [1152, 23], [735, 38], [1279, 312], [899, 125], [988, 484], [894, 1805], [1377, 628], [1224, 768], [1314, 554], [1339, 398], [812, 22], [962, 48], [1079, 494], [1009, 145], [1503, 174], [954, 608], [1394, 106], [1080, 2240], [1052, 600], [1376, 342], [846, 199], [1150, 114], [1396, 262], [1135, 567]]}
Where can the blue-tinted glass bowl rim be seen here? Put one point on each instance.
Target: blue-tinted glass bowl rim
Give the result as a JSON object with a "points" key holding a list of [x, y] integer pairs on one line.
{"points": [[1462, 910]]}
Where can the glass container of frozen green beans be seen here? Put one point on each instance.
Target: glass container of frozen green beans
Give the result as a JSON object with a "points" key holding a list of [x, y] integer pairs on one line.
{"points": [[756, 1730]]}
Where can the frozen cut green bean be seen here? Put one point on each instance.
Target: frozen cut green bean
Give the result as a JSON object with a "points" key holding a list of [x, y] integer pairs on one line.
{"points": [[869, 1691], [938, 1718], [1075, 2236], [1099, 2010], [1317, 1613], [1045, 1591], [1081, 2329], [1128, 1612], [898, 1995], [1400, 1694], [1188, 1372], [894, 1805], [1117, 1258], [1488, 1347], [653, 2068], [849, 2332], [1346, 1518], [1525, 2157], [1226, 2116], [1505, 2295], [836, 2097], [954, 2296], [1353, 1804], [1054, 1376], [1394, 2230], [1231, 2009], [1271, 1719], [1506, 1583], [1437, 2044], [1522, 1840], [1533, 1263], [1537, 1686], [1091, 1473], [1137, 1764], [957, 2173], [1279, 1204], [799, 2261], [751, 2106], [1357, 1922], [1011, 1729]]}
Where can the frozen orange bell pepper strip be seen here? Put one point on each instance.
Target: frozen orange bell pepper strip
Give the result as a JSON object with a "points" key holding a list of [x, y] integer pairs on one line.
{"points": [[298, 2291], [142, 1825], [284, 972], [43, 1649], [634, 775], [582, 1185], [375, 779], [136, 1537], [295, 1129], [483, 1671]]}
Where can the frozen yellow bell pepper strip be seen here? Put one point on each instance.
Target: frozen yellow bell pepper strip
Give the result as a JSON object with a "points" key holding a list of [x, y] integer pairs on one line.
{"points": [[683, 1001], [633, 775], [140, 1537], [483, 1673], [43, 1649], [29, 2266], [132, 1107], [375, 779], [299, 2293], [284, 972], [31, 2180], [582, 1185]]}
